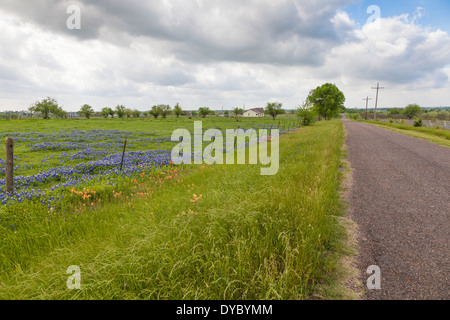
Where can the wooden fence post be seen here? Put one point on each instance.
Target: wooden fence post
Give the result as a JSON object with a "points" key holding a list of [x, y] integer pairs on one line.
{"points": [[123, 153], [9, 174]]}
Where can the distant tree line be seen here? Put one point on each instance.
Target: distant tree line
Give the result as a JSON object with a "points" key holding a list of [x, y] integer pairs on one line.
{"points": [[411, 111], [324, 102]]}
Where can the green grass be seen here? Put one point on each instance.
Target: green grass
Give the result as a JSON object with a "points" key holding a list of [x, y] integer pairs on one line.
{"points": [[438, 136], [247, 237], [160, 128]]}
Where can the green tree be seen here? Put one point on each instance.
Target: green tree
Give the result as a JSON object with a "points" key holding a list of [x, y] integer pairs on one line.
{"points": [[120, 111], [86, 111], [60, 113], [156, 111], [106, 112], [274, 109], [48, 107], [194, 113], [136, 113], [128, 113], [165, 110], [412, 111], [394, 111], [306, 114], [237, 112], [204, 111], [442, 115], [177, 110], [327, 100]]}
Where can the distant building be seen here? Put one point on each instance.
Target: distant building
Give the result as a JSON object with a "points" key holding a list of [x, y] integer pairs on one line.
{"points": [[73, 114], [254, 113]]}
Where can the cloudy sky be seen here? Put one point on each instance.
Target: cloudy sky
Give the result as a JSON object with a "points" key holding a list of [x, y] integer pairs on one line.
{"points": [[222, 53]]}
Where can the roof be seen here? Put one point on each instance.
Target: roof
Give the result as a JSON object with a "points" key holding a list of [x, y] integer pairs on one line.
{"points": [[257, 110]]}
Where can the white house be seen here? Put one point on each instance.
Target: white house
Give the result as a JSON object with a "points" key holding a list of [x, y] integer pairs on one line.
{"points": [[254, 113]]}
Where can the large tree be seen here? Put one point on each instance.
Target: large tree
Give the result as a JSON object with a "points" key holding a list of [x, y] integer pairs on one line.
{"points": [[106, 112], [156, 111], [274, 109], [120, 111], [327, 100], [47, 107], [204, 111], [165, 110], [86, 111]]}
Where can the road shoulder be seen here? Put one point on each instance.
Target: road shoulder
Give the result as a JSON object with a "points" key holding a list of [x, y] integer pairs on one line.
{"points": [[417, 134], [349, 275]]}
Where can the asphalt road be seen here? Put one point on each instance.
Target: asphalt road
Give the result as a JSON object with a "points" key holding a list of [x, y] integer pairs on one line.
{"points": [[400, 200]]}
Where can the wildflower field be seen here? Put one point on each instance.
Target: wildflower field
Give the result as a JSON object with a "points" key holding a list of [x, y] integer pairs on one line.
{"points": [[154, 230]]}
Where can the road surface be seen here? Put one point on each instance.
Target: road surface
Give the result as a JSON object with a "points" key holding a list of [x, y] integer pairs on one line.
{"points": [[400, 200]]}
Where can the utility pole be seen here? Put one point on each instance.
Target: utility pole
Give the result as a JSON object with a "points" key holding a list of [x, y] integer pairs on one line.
{"points": [[367, 104], [378, 88]]}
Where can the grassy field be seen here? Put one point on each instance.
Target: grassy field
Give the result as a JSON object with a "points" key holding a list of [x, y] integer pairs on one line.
{"points": [[177, 232], [438, 136]]}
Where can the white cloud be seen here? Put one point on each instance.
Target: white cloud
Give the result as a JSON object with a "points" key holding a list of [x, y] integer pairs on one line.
{"points": [[210, 53], [418, 14], [397, 53]]}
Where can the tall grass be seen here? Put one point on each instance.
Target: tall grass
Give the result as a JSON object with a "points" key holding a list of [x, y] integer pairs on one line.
{"points": [[223, 232], [443, 133]]}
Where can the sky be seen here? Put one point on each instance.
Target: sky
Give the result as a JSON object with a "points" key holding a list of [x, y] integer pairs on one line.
{"points": [[222, 54]]}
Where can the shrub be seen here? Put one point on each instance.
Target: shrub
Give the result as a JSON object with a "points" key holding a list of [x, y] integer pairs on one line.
{"points": [[412, 110], [418, 123], [306, 115]]}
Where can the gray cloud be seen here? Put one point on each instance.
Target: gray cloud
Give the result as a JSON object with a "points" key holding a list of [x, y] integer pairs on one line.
{"points": [[280, 32], [207, 52]]}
